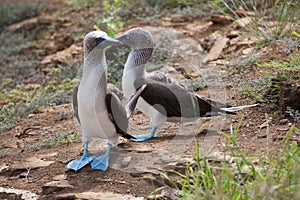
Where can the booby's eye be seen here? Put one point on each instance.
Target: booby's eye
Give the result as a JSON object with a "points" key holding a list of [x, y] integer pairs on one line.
{"points": [[127, 37], [99, 40]]}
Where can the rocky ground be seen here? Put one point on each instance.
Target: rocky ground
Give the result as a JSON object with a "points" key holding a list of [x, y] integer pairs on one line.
{"points": [[212, 57]]}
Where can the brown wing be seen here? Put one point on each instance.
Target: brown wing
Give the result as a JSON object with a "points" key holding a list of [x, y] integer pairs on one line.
{"points": [[174, 101], [117, 114]]}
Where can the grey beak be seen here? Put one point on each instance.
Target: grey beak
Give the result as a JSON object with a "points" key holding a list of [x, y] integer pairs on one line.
{"points": [[119, 37], [113, 41]]}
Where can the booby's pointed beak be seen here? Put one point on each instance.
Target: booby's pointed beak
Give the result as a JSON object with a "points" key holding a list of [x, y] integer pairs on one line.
{"points": [[125, 39], [112, 41], [120, 38]]}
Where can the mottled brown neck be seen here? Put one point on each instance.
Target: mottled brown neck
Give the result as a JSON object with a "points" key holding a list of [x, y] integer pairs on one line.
{"points": [[140, 56]]}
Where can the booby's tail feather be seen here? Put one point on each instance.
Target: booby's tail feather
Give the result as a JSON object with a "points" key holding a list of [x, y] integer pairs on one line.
{"points": [[133, 100], [228, 110], [237, 108]]}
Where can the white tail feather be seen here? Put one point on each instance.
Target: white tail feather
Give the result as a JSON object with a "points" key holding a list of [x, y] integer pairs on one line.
{"points": [[133, 100], [237, 108]]}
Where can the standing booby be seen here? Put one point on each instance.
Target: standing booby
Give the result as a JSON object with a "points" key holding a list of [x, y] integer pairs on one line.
{"points": [[161, 101], [100, 113]]}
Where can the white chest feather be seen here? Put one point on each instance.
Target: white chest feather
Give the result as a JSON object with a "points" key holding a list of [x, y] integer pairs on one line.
{"points": [[92, 110]]}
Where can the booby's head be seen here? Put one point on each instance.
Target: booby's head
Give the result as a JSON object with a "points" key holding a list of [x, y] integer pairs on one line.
{"points": [[137, 38], [98, 40]]}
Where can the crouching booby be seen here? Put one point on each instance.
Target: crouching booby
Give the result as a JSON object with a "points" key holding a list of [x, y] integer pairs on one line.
{"points": [[100, 113], [161, 101]]}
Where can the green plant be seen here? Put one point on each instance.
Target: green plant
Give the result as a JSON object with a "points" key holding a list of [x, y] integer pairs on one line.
{"points": [[274, 176], [259, 89], [112, 22], [287, 70], [269, 20], [60, 139]]}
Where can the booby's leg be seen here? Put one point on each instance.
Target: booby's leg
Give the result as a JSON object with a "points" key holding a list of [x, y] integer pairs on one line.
{"points": [[142, 138], [82, 161], [101, 162]]}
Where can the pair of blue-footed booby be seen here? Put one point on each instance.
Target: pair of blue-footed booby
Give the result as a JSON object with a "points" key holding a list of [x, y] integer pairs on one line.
{"points": [[161, 101], [102, 115], [99, 112]]}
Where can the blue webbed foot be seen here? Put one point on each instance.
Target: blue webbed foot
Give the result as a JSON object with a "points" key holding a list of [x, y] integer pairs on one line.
{"points": [[101, 162], [142, 138], [82, 161]]}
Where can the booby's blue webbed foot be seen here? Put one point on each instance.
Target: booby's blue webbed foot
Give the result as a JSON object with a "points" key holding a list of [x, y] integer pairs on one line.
{"points": [[101, 162], [142, 138], [82, 161]]}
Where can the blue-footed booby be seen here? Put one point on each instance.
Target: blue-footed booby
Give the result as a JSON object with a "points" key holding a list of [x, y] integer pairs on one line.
{"points": [[161, 101], [99, 112]]}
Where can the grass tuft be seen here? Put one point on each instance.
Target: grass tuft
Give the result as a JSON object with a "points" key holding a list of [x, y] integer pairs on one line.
{"points": [[269, 20], [259, 177]]}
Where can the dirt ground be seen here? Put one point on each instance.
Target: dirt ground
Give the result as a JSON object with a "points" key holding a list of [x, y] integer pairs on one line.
{"points": [[29, 161]]}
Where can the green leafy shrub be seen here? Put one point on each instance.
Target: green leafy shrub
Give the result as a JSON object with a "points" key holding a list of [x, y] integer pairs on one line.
{"points": [[112, 20]]}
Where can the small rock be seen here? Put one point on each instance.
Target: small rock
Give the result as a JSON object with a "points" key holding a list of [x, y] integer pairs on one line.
{"points": [[11, 144], [199, 27], [220, 19], [126, 162], [31, 163], [60, 177], [283, 129], [168, 19], [220, 156], [178, 18], [241, 41], [62, 57], [283, 121], [263, 125], [105, 195], [55, 186], [247, 51], [242, 12], [17, 194], [263, 135], [216, 49], [243, 22], [66, 197], [31, 115], [232, 34]]}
